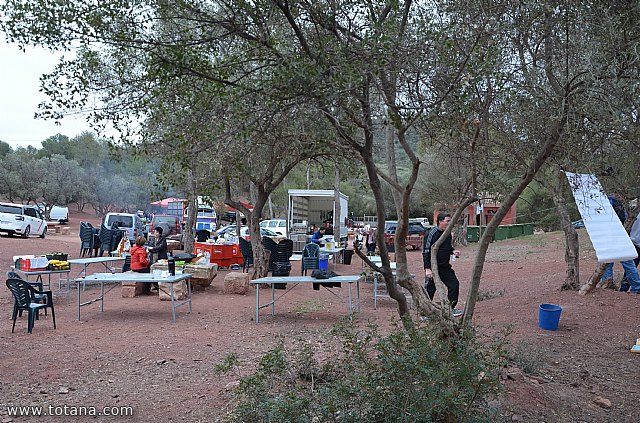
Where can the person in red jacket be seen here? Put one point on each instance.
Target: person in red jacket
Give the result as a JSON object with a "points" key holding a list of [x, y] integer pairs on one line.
{"points": [[139, 258], [140, 261]]}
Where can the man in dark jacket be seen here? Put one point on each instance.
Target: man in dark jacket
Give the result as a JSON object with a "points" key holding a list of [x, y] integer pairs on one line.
{"points": [[446, 273]]}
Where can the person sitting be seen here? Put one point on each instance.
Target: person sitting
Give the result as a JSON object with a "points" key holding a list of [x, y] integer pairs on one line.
{"points": [[139, 258], [317, 236], [140, 261]]}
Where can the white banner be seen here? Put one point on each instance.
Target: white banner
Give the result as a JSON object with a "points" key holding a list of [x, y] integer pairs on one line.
{"points": [[609, 238]]}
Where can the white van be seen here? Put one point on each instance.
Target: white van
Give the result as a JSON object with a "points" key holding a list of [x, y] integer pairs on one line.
{"points": [[22, 220], [278, 226], [129, 222]]}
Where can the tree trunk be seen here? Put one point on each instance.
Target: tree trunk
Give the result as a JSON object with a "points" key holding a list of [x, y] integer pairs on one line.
{"points": [[337, 209], [188, 234], [572, 248], [545, 151]]}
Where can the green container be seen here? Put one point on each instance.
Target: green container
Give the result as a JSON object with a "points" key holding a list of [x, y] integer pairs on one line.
{"points": [[502, 232], [473, 233], [515, 231], [527, 229]]}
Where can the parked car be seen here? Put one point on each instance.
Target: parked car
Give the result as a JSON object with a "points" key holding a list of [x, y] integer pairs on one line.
{"points": [[129, 222], [578, 224], [276, 225], [22, 220], [421, 220], [57, 213], [171, 226], [415, 228], [244, 232]]}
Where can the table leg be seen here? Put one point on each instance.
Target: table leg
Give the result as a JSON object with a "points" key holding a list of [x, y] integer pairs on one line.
{"points": [[189, 292], [257, 303], [173, 307], [273, 300], [350, 305], [78, 289], [101, 295], [358, 293]]}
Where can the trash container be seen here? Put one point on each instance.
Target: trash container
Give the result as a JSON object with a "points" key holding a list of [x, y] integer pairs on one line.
{"points": [[502, 232], [346, 256], [527, 229], [323, 261], [473, 233]]}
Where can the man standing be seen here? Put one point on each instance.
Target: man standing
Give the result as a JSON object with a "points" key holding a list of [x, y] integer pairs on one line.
{"points": [[446, 273]]}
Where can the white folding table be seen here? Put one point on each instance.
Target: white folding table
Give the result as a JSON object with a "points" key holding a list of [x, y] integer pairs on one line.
{"points": [[118, 278], [296, 280]]}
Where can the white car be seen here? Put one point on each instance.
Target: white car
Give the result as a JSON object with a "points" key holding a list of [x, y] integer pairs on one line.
{"points": [[278, 226], [22, 220]]}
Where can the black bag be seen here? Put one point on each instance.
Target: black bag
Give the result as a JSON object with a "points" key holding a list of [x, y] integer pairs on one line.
{"points": [[282, 268], [325, 274]]}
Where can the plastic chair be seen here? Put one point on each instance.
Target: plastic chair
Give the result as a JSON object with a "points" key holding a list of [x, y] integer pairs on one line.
{"points": [[23, 294], [37, 298], [105, 234], [247, 254], [280, 252], [86, 239], [310, 258]]}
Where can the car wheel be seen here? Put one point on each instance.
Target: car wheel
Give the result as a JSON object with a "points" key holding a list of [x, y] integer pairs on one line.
{"points": [[44, 232], [26, 233]]}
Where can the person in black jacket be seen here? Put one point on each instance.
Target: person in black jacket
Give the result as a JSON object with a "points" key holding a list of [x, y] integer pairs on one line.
{"points": [[160, 244], [446, 273]]}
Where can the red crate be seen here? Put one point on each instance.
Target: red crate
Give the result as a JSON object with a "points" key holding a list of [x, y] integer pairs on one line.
{"points": [[25, 264]]}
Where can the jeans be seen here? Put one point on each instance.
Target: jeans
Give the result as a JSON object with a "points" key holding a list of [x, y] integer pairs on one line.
{"points": [[624, 284], [630, 273]]}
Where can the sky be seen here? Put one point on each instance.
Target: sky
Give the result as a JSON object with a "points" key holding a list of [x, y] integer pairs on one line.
{"points": [[19, 98]]}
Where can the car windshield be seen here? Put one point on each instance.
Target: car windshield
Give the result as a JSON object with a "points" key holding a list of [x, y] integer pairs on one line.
{"points": [[10, 209], [120, 221], [164, 219], [267, 232]]}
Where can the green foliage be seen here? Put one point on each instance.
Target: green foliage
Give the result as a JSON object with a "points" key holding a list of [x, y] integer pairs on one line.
{"points": [[528, 356], [416, 376], [229, 362], [536, 206]]}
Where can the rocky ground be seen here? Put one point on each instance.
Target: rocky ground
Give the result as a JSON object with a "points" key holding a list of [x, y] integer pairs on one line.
{"points": [[133, 355]]}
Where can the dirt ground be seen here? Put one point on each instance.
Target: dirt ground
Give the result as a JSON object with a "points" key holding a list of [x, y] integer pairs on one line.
{"points": [[133, 355]]}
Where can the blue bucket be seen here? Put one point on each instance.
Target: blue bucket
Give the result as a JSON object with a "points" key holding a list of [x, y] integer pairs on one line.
{"points": [[323, 264], [549, 316]]}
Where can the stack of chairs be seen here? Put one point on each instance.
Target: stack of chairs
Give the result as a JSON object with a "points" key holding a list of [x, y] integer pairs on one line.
{"points": [[247, 254], [87, 240], [109, 239]]}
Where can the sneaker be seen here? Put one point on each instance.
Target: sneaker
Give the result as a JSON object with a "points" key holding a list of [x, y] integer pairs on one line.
{"points": [[457, 312]]}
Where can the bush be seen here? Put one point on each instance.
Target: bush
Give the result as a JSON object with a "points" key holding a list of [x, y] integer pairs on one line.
{"points": [[402, 377]]}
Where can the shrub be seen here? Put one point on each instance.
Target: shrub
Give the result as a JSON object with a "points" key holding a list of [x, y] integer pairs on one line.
{"points": [[416, 376]]}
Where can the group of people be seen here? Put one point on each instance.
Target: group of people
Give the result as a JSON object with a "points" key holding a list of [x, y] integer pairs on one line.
{"points": [[141, 255]]}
